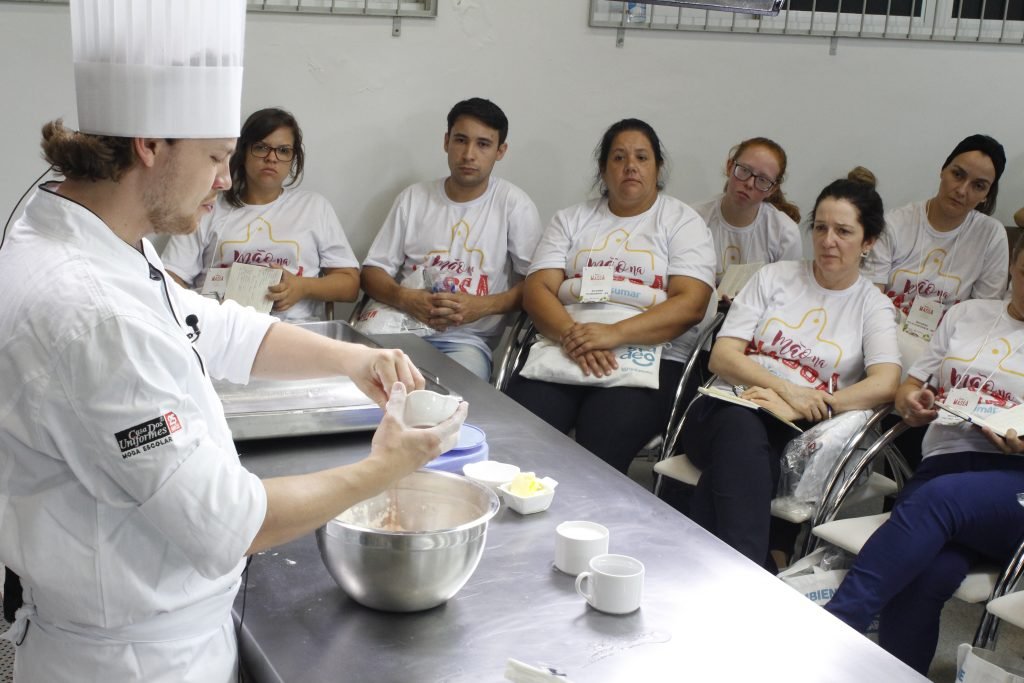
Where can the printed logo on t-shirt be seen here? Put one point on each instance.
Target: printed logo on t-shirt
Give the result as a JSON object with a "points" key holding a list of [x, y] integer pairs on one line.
{"points": [[976, 373], [636, 265], [266, 251], [147, 435], [459, 268], [930, 280], [800, 347]]}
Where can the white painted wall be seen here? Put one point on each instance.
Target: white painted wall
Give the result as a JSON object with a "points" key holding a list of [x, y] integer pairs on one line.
{"points": [[373, 107]]}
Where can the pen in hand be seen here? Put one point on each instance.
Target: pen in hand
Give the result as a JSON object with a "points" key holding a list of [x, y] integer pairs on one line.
{"points": [[831, 390], [927, 387]]}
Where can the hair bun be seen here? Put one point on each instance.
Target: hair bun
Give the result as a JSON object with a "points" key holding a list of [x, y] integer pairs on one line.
{"points": [[862, 175]]}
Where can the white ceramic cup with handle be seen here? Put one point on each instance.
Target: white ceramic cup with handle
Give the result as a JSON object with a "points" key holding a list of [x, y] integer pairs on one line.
{"points": [[576, 543], [425, 408], [614, 584]]}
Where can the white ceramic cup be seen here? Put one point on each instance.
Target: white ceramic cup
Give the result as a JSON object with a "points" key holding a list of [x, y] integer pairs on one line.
{"points": [[615, 583], [576, 543], [427, 408]]}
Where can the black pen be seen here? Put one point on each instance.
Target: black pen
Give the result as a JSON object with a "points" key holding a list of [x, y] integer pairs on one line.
{"points": [[925, 387], [831, 390], [927, 381]]}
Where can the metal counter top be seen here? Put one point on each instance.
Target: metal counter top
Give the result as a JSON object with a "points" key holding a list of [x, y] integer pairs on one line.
{"points": [[708, 613]]}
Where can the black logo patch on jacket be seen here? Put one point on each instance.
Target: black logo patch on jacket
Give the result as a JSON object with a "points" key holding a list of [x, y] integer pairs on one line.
{"points": [[147, 435]]}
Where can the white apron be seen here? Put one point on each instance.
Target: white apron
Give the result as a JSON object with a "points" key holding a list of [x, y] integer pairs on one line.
{"points": [[192, 645]]}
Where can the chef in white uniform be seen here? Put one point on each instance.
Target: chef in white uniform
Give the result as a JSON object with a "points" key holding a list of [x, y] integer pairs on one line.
{"points": [[123, 505]]}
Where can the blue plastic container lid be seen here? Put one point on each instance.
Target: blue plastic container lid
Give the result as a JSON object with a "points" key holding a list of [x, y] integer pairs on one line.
{"points": [[471, 447], [469, 437]]}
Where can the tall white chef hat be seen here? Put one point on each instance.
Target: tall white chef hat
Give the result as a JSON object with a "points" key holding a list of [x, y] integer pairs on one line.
{"points": [[158, 68]]}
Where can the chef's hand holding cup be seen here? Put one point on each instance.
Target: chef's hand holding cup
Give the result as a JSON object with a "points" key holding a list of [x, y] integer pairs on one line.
{"points": [[404, 448], [377, 370]]}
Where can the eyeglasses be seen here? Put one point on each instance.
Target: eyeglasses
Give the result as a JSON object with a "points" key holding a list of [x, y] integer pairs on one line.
{"points": [[742, 173], [261, 150]]}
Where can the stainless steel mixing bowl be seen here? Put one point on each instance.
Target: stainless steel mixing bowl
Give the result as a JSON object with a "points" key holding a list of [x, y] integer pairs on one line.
{"points": [[442, 519]]}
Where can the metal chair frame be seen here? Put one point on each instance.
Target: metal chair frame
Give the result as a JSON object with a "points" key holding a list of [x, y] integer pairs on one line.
{"points": [[839, 487], [678, 413], [837, 492], [361, 304], [842, 480], [513, 356], [1011, 576]]}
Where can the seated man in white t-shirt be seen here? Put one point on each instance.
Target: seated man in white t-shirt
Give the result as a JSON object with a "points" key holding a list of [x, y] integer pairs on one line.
{"points": [[471, 235]]}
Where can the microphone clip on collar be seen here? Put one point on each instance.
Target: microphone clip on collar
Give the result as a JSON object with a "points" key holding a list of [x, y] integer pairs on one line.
{"points": [[192, 321]]}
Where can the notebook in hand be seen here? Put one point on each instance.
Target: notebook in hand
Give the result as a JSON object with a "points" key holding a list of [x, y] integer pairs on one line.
{"points": [[730, 397], [737, 275], [1000, 422], [247, 284]]}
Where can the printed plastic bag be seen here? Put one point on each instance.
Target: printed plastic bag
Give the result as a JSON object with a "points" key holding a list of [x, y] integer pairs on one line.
{"points": [[638, 365], [379, 318], [978, 665], [818, 575], [810, 457]]}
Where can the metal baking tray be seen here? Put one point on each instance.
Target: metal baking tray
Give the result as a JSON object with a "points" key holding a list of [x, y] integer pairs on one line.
{"points": [[274, 408]]}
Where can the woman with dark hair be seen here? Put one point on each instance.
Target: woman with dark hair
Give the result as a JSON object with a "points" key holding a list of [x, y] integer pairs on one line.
{"points": [[752, 221], [263, 220], [628, 273], [948, 248], [961, 504], [804, 339]]}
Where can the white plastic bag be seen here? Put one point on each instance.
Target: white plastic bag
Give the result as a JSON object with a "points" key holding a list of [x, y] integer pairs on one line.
{"points": [[814, 581], [978, 665], [379, 318], [818, 576], [809, 458], [638, 365]]}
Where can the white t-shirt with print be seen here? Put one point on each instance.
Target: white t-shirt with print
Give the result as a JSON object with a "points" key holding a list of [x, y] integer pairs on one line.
{"points": [[977, 346], [806, 334], [478, 247], [299, 231], [772, 237], [667, 239], [911, 257]]}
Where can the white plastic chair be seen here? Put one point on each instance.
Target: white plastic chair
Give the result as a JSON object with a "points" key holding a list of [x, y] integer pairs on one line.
{"points": [[1009, 608], [843, 486], [985, 583]]}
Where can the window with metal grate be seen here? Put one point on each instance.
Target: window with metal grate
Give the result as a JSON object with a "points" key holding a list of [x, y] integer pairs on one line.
{"points": [[973, 21]]}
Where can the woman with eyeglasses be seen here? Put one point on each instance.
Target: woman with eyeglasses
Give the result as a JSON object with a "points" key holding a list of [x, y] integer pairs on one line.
{"points": [[804, 340], [752, 221], [264, 220]]}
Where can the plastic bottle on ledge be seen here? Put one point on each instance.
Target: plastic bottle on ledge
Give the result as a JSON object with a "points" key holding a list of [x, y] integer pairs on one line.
{"points": [[636, 12]]}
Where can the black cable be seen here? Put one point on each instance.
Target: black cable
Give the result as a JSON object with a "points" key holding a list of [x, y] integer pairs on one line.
{"points": [[241, 616], [18, 203]]}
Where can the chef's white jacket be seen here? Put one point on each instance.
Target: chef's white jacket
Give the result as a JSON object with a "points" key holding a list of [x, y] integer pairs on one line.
{"points": [[123, 505]]}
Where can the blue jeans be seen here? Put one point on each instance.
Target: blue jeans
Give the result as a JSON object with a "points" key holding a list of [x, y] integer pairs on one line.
{"points": [[956, 509], [466, 355]]}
